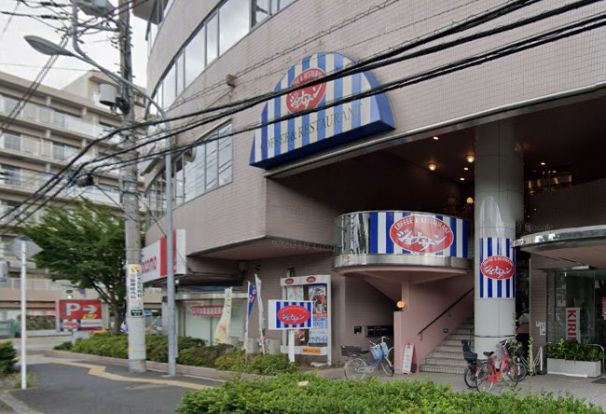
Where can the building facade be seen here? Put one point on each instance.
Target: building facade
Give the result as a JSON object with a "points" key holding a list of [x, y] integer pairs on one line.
{"points": [[424, 192], [35, 143]]}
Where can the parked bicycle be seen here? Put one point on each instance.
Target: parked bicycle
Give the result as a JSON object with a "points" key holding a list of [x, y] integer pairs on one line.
{"points": [[473, 363], [358, 368], [489, 374]]}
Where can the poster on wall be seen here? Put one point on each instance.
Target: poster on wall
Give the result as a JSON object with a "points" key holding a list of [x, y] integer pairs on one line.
{"points": [[314, 288], [409, 350]]}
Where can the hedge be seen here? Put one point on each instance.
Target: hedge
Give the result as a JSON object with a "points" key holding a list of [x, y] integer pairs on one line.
{"points": [[8, 358], [308, 394], [255, 364]]}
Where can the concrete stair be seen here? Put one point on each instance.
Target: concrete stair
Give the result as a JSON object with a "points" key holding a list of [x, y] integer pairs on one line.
{"points": [[448, 356]]}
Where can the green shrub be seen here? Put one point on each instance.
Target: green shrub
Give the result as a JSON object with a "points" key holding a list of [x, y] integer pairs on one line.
{"points": [[64, 346], [205, 356], [8, 358], [255, 364], [573, 351], [104, 344], [287, 394]]}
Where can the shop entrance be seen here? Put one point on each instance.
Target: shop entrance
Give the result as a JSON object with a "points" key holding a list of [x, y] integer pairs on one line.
{"points": [[577, 296]]}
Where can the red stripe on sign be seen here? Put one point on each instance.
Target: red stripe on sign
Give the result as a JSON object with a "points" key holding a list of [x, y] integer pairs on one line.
{"points": [[163, 261]]}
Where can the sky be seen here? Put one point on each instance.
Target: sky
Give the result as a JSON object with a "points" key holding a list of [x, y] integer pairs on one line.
{"points": [[19, 59]]}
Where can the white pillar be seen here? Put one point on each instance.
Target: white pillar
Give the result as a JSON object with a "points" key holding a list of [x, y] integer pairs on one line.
{"points": [[499, 205]]}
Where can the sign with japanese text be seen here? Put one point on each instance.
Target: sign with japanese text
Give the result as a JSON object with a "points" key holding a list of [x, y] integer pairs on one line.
{"points": [[409, 350], [134, 290], [79, 314], [573, 319], [154, 260], [286, 314]]}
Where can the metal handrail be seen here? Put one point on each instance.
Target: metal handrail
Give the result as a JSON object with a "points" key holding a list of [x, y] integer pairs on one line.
{"points": [[445, 311], [602, 348]]}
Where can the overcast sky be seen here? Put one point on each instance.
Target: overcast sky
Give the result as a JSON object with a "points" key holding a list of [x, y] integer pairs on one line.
{"points": [[18, 58]]}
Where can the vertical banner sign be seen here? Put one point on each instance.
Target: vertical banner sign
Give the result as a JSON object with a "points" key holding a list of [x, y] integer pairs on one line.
{"points": [[604, 307], [252, 295], [409, 350], [135, 290], [261, 314], [497, 268], [221, 336], [573, 328]]}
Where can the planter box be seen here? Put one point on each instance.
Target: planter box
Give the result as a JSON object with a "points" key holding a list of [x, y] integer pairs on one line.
{"points": [[584, 369]]}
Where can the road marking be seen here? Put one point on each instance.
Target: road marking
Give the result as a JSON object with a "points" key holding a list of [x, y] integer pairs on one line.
{"points": [[99, 371], [17, 405]]}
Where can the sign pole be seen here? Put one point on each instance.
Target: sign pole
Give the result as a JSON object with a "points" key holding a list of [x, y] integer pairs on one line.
{"points": [[291, 345], [23, 317]]}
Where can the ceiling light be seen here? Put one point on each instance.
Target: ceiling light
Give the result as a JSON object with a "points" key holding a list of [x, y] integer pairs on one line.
{"points": [[469, 200], [470, 158], [436, 138], [543, 163], [462, 178], [432, 166], [465, 168], [401, 304]]}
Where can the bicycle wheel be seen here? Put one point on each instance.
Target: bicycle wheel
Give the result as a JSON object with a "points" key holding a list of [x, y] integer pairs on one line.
{"points": [[387, 367], [356, 369], [522, 369], [483, 377], [511, 373], [470, 377]]}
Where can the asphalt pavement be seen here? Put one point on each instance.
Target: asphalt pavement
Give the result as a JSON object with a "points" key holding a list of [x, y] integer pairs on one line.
{"points": [[62, 388]]}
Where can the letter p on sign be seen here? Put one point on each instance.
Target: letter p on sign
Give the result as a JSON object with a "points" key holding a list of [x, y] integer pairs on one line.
{"points": [[71, 307]]}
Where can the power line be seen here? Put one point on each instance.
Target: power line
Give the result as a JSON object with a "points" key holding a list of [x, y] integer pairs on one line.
{"points": [[8, 22], [222, 115]]}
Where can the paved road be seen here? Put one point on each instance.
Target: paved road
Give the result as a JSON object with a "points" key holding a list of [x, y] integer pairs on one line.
{"points": [[68, 389]]}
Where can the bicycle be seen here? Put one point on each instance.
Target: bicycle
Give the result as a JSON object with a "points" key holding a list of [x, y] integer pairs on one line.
{"points": [[488, 375], [470, 374], [357, 368]]}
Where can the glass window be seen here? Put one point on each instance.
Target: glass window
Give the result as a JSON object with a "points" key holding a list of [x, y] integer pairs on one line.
{"points": [[261, 10], [211, 164], [234, 23], [194, 56], [169, 86], [63, 152], [225, 156], [11, 141], [179, 174], [212, 39], [180, 73], [10, 175], [284, 3]]}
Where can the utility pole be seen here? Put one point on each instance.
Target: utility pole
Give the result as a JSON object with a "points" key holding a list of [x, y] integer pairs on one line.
{"points": [[135, 319]]}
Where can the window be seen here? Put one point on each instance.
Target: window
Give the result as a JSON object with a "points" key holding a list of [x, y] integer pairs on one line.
{"points": [[180, 73], [11, 141], [225, 153], [212, 39], [194, 56], [261, 10], [169, 87], [211, 164], [64, 152], [10, 175], [234, 22]]}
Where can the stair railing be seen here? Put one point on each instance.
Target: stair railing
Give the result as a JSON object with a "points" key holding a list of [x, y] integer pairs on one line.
{"points": [[444, 312]]}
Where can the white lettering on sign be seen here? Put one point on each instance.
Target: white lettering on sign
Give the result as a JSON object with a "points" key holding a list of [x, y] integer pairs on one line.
{"points": [[71, 308]]}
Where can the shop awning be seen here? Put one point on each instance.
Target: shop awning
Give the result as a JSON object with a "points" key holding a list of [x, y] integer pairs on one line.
{"points": [[578, 245]]}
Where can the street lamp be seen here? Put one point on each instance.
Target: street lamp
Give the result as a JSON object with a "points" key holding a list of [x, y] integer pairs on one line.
{"points": [[49, 48]]}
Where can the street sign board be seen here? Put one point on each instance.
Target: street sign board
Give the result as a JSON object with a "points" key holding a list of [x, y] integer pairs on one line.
{"points": [[79, 314], [31, 248], [288, 314]]}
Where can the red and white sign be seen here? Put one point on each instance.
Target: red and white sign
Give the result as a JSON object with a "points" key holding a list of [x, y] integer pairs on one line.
{"points": [[306, 98], [420, 233], [573, 329], [207, 311], [604, 307], [154, 260], [293, 315], [498, 267], [80, 314]]}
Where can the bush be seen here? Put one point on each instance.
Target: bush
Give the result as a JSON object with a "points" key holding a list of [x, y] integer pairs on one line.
{"points": [[256, 363], [203, 356], [573, 351], [8, 358], [287, 394], [104, 344], [64, 346]]}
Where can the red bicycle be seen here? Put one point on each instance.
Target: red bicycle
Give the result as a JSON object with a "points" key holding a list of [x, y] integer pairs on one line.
{"points": [[489, 375]]}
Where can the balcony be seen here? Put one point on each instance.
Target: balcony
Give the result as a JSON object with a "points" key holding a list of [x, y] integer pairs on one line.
{"points": [[401, 238]]}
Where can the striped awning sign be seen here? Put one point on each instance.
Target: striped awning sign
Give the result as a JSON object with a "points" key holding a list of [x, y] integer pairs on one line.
{"points": [[324, 127], [497, 268], [289, 314]]}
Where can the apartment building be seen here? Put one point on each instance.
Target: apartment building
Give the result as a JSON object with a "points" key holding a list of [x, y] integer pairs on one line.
{"points": [[35, 143]]}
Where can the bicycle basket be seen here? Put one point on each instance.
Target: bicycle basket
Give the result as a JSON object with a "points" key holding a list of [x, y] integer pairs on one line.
{"points": [[376, 352]]}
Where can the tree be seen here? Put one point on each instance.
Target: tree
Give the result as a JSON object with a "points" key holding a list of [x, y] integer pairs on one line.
{"points": [[84, 245]]}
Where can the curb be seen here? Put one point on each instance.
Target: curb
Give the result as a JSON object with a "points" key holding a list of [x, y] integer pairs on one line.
{"points": [[189, 370], [17, 406]]}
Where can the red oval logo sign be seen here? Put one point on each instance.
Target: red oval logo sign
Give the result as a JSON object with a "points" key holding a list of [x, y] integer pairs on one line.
{"points": [[311, 279], [306, 98], [497, 267], [293, 315], [421, 234], [289, 281]]}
